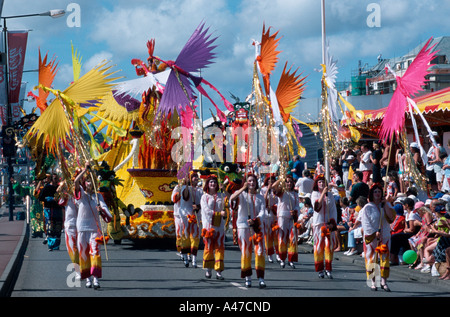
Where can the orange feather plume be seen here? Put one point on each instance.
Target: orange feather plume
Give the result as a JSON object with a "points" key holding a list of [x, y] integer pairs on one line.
{"points": [[268, 56], [47, 73], [289, 91]]}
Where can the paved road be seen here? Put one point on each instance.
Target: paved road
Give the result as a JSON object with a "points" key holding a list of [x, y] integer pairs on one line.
{"points": [[154, 270]]}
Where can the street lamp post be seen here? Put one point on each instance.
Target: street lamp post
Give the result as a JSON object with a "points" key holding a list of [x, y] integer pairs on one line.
{"points": [[54, 14]]}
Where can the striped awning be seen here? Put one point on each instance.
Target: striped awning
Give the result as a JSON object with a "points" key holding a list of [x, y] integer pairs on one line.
{"points": [[428, 104]]}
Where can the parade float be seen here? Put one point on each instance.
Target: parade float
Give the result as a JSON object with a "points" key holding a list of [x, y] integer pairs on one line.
{"points": [[144, 160]]}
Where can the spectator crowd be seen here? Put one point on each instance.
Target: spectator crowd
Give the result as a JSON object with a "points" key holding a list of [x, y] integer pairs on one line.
{"points": [[422, 212]]}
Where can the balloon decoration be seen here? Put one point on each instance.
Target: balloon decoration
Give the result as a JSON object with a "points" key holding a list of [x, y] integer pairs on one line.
{"points": [[410, 257]]}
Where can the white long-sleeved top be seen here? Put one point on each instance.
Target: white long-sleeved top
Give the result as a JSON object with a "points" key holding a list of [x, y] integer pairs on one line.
{"points": [[328, 210], [88, 217], [369, 216], [287, 201], [183, 207], [71, 214], [209, 205], [250, 206]]}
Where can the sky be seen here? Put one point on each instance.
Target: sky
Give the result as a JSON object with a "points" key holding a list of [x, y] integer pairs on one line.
{"points": [[117, 31]]}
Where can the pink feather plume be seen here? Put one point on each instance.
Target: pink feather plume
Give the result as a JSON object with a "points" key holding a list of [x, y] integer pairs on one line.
{"points": [[407, 86]]}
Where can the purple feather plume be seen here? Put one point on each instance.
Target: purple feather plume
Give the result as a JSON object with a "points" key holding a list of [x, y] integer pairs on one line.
{"points": [[195, 55]]}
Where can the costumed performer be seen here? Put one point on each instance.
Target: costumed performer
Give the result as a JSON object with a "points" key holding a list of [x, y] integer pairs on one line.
{"points": [[323, 222], [250, 218], [53, 213], [270, 219], [375, 218], [287, 214], [90, 204], [213, 231], [186, 199]]}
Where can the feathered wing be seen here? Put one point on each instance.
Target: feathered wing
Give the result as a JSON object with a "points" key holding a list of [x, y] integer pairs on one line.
{"points": [[114, 115], [136, 87], [47, 73], [394, 116], [414, 77], [195, 55], [76, 64], [54, 125], [407, 86], [94, 85], [289, 91], [331, 72], [268, 56]]}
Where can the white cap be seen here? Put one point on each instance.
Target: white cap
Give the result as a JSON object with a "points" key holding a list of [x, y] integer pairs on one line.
{"points": [[446, 197], [413, 198]]}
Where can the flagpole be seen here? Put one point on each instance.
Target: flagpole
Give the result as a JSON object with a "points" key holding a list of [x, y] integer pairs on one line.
{"points": [[327, 167]]}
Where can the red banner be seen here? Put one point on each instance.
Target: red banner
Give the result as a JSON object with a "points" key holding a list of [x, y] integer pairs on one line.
{"points": [[17, 45]]}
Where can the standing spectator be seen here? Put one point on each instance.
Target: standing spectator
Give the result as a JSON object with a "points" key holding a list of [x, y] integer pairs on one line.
{"points": [[365, 165], [359, 188], [446, 168], [320, 169], [388, 159], [345, 160], [433, 159], [304, 185], [53, 213], [400, 161], [375, 157]]}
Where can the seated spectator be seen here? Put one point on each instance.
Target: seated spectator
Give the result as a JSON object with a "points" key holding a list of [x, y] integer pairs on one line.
{"points": [[446, 172], [441, 253], [419, 240], [343, 225], [355, 228], [306, 214], [399, 223], [399, 241], [359, 188]]}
